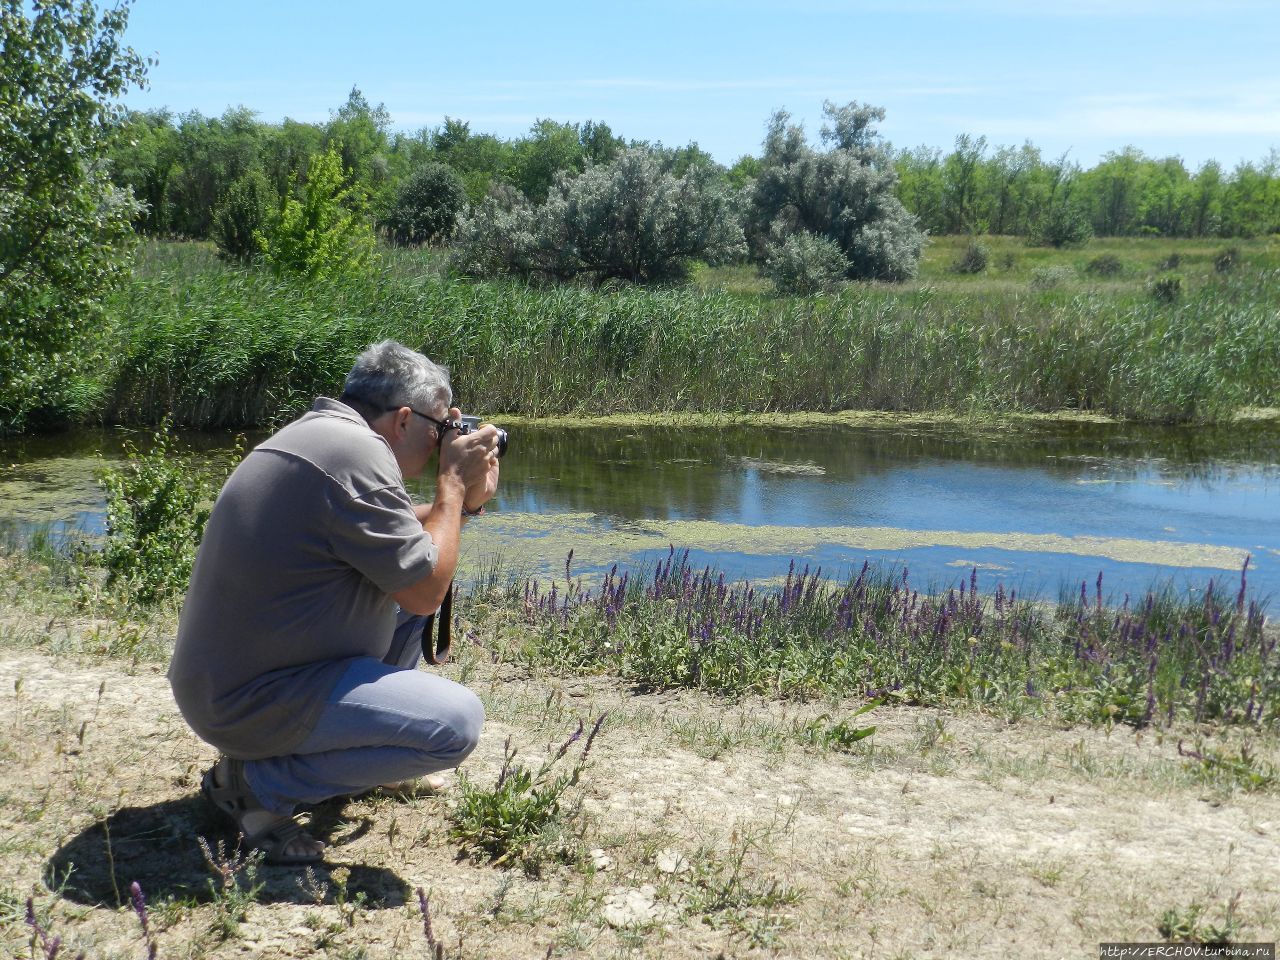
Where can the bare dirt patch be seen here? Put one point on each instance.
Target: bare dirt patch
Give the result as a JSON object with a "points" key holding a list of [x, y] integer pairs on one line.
{"points": [[709, 830]]}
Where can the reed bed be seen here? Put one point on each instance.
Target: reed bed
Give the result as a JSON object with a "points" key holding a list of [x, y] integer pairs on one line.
{"points": [[1161, 658], [218, 346]]}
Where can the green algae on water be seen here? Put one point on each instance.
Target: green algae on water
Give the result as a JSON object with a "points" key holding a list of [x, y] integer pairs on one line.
{"points": [[597, 541]]}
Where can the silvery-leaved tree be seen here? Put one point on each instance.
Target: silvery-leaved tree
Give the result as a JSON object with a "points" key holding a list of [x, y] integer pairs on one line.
{"points": [[627, 220], [844, 194], [65, 229]]}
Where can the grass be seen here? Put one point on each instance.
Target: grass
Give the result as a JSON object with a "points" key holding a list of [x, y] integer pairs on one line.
{"points": [[216, 345]]}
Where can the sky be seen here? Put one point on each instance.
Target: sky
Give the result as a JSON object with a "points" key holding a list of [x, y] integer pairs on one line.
{"points": [[1200, 80]]}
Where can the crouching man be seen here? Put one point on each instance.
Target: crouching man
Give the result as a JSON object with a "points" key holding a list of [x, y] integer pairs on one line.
{"points": [[301, 631]]}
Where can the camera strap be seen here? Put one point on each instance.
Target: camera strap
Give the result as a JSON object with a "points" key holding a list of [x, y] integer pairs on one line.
{"points": [[437, 651]]}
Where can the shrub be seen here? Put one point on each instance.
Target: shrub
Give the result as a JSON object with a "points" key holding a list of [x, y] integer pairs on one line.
{"points": [[1171, 262], [973, 260], [806, 264], [1106, 265], [629, 220], [1227, 259], [1047, 278], [498, 237], [157, 506], [426, 206], [1008, 260], [1064, 225], [1167, 289], [246, 209], [318, 236], [846, 194]]}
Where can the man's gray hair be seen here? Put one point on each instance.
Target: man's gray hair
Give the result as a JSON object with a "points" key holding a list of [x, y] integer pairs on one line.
{"points": [[389, 374]]}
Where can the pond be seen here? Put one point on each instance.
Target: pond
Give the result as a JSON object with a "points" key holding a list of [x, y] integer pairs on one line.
{"points": [[1037, 506]]}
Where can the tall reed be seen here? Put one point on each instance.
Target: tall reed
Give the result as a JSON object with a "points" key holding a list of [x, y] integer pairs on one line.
{"points": [[214, 345]]}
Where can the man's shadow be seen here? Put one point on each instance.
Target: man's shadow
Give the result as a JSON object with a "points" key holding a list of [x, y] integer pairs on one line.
{"points": [[158, 847]]}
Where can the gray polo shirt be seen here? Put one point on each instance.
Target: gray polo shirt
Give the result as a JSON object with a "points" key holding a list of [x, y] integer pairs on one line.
{"points": [[306, 541]]}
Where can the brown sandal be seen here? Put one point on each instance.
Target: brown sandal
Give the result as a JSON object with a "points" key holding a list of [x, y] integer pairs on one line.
{"points": [[235, 799]]}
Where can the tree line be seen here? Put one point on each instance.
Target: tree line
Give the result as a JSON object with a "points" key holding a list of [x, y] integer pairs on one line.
{"points": [[83, 178], [1006, 190], [181, 166]]}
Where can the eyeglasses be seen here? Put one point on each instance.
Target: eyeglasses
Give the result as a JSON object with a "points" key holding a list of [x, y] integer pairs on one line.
{"points": [[442, 426]]}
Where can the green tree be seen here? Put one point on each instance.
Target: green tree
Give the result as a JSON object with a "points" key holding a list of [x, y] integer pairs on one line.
{"points": [[1251, 201], [358, 132], [212, 153], [1063, 220], [1205, 206], [744, 170], [599, 145], [480, 159], [285, 152], [550, 149], [246, 210], [142, 159], [427, 205], [1166, 198], [65, 227], [319, 236], [1113, 189], [921, 187], [961, 172]]}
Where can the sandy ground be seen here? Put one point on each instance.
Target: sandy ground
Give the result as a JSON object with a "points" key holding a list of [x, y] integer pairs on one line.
{"points": [[707, 830]]}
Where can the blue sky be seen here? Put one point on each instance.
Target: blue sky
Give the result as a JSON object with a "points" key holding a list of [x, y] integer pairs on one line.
{"points": [[1196, 79]]}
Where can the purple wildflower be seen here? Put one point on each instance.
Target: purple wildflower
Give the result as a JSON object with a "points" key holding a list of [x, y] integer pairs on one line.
{"points": [[140, 908]]}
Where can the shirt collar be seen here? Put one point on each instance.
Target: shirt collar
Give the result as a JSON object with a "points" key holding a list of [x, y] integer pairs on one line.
{"points": [[336, 408]]}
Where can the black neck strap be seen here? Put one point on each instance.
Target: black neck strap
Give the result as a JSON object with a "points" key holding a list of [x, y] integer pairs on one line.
{"points": [[437, 651]]}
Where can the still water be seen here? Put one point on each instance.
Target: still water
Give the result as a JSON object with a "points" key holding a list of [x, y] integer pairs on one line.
{"points": [[1039, 508]]}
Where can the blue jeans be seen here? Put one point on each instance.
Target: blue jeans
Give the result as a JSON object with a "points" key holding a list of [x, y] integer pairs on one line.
{"points": [[384, 721]]}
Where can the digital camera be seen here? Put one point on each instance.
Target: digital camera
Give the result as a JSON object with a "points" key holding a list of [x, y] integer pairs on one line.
{"points": [[465, 424]]}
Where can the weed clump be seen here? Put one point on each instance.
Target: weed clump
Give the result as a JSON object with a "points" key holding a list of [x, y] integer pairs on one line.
{"points": [[233, 885], [1105, 265], [1167, 289], [1239, 769], [525, 816], [1050, 278], [973, 260], [1190, 925], [157, 507]]}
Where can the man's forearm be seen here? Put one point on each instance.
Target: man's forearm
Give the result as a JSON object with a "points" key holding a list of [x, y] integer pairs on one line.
{"points": [[443, 520]]}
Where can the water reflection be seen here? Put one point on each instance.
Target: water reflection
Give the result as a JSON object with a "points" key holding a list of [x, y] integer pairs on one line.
{"points": [[991, 497]]}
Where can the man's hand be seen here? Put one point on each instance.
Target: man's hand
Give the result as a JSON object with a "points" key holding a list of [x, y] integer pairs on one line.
{"points": [[467, 478], [478, 495], [470, 460]]}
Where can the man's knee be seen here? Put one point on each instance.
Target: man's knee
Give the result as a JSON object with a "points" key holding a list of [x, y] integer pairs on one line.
{"points": [[466, 718]]}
